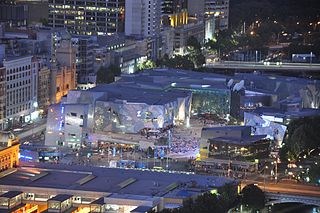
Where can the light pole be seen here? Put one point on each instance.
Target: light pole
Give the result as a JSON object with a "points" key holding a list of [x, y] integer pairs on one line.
{"points": [[276, 174], [264, 177]]}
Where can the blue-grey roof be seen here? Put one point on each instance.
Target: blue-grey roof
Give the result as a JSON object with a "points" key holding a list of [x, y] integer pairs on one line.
{"points": [[240, 141], [226, 128], [290, 114], [141, 209], [107, 180], [60, 197], [11, 194], [115, 92]]}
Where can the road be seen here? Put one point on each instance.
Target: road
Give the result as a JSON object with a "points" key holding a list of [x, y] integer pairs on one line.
{"points": [[286, 188], [261, 66]]}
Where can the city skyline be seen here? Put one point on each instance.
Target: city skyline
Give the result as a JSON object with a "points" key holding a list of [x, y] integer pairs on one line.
{"points": [[169, 106]]}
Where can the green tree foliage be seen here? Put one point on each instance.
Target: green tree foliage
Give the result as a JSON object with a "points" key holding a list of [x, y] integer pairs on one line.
{"points": [[107, 75], [178, 61], [229, 194], [302, 136], [209, 203], [194, 52], [253, 197], [223, 43], [314, 173], [148, 64], [280, 10]]}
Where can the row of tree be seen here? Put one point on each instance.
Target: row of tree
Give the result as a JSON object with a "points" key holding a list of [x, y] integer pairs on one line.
{"points": [[252, 197], [303, 135]]}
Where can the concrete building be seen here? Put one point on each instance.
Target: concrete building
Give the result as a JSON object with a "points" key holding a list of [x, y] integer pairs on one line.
{"points": [[57, 188], [207, 8], [12, 14], [174, 13], [63, 68], [37, 10], [44, 82], [220, 144], [142, 18], [84, 58], [2, 97], [9, 151], [184, 32], [87, 17], [21, 90]]}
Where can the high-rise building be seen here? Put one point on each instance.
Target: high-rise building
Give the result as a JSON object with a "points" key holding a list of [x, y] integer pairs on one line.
{"points": [[143, 18], [220, 9], [217, 8], [84, 57], [87, 17], [174, 12], [13, 14], [2, 96]]}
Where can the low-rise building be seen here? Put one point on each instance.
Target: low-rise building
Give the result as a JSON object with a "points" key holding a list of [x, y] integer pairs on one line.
{"points": [[231, 150], [58, 188], [9, 151]]}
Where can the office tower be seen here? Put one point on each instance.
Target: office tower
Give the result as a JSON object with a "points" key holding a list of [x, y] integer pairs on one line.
{"points": [[174, 12], [87, 17], [142, 18], [12, 14], [85, 57], [208, 8]]}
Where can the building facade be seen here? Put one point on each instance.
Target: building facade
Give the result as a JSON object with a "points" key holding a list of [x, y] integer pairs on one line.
{"points": [[207, 8], [21, 90], [142, 18], [2, 97], [63, 68], [87, 17], [9, 151], [43, 86], [174, 12], [85, 189], [219, 9], [84, 57]]}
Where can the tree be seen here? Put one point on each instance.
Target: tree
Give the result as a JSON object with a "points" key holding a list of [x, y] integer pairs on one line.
{"points": [[148, 64], [194, 52], [107, 75], [314, 173], [302, 136], [253, 197], [229, 194], [193, 44]]}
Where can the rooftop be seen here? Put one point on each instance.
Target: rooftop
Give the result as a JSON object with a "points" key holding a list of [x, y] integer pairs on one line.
{"points": [[240, 141], [107, 180], [226, 128], [121, 92]]}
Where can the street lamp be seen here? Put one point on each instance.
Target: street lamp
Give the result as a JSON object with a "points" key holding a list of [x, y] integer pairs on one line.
{"points": [[264, 177]]}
